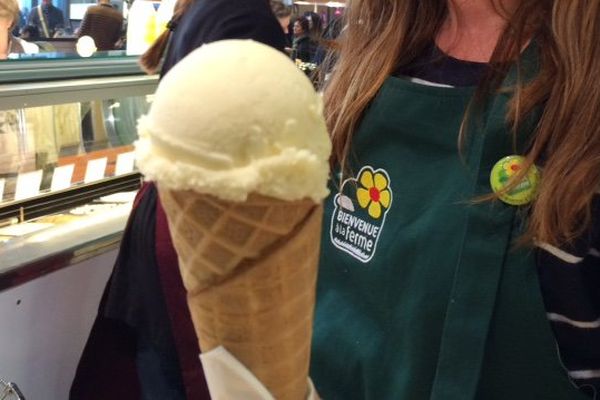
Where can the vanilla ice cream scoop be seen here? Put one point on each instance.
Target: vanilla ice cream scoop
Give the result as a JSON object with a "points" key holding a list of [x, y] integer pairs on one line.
{"points": [[236, 117]]}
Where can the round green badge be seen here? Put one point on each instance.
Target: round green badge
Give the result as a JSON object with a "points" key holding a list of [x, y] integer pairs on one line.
{"points": [[524, 191]]}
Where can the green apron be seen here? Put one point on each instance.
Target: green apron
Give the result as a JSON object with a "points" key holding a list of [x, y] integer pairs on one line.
{"points": [[421, 294]]}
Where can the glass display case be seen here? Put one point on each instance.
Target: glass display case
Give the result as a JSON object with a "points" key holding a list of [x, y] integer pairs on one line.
{"points": [[67, 181], [67, 172]]}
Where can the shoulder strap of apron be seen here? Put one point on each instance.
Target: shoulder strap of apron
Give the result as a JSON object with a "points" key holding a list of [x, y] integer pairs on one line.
{"points": [[43, 21], [478, 271]]}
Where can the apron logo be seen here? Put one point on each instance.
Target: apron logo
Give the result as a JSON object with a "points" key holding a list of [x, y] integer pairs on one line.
{"points": [[359, 214]]}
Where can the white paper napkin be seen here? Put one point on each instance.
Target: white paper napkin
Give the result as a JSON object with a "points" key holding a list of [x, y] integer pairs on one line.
{"points": [[229, 379]]}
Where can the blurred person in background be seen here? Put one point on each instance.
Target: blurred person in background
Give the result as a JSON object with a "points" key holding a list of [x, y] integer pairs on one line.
{"points": [[327, 42], [304, 47], [9, 44], [103, 23], [315, 25], [282, 13], [47, 18]]}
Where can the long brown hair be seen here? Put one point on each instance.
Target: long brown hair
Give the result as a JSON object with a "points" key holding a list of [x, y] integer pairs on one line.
{"points": [[150, 60], [383, 35]]}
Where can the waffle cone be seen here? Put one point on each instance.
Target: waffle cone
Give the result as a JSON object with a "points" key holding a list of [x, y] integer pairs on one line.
{"points": [[250, 271]]}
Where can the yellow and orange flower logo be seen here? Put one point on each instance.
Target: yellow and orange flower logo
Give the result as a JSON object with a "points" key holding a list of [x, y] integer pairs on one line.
{"points": [[512, 166], [373, 192]]}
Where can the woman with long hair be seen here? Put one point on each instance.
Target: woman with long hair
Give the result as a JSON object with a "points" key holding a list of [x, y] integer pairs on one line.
{"points": [[460, 252], [143, 344]]}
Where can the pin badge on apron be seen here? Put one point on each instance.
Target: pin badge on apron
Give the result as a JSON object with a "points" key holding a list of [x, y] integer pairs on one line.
{"points": [[359, 213], [524, 191]]}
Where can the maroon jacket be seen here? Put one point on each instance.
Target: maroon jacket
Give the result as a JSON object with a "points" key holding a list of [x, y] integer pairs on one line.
{"points": [[107, 369], [175, 296]]}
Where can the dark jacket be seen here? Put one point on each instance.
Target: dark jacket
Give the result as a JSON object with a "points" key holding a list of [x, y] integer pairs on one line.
{"points": [[304, 49], [103, 23], [144, 304], [53, 17], [224, 19]]}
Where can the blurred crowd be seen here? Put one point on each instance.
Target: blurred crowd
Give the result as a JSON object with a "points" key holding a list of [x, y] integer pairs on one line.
{"points": [[308, 34], [39, 29]]}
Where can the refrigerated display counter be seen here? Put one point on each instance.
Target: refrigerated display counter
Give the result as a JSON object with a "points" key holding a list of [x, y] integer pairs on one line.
{"points": [[67, 183]]}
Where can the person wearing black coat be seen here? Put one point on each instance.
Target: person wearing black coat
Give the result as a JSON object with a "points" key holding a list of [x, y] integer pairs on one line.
{"points": [[304, 47]]}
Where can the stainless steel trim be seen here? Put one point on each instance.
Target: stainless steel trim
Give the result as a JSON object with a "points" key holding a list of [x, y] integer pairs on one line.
{"points": [[48, 250], [20, 95], [67, 68], [29, 271]]}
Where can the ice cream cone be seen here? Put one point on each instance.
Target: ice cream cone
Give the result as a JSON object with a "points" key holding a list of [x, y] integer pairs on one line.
{"points": [[250, 269]]}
